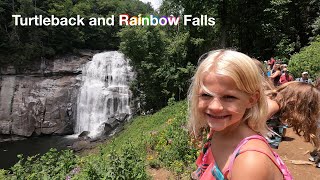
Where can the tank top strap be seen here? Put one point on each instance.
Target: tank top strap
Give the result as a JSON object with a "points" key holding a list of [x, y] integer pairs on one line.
{"points": [[236, 151], [272, 158], [275, 159]]}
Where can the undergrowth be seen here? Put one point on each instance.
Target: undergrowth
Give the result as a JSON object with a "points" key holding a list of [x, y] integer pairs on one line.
{"points": [[160, 140]]}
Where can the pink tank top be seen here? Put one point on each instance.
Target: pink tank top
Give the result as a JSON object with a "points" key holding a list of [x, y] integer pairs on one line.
{"points": [[207, 168]]}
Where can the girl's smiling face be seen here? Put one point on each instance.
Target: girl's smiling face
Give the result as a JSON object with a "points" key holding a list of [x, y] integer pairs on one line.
{"points": [[221, 103]]}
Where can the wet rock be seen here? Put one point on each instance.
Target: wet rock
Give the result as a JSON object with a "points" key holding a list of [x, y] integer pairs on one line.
{"points": [[4, 138], [40, 99], [80, 145], [84, 135], [110, 125], [123, 117]]}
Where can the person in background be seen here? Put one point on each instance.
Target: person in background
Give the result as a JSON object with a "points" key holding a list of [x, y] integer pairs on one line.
{"points": [[282, 66], [269, 71], [275, 75], [285, 76], [271, 62], [226, 97], [304, 78]]}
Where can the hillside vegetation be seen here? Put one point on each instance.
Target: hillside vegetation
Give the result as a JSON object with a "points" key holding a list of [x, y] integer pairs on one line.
{"points": [[154, 141]]}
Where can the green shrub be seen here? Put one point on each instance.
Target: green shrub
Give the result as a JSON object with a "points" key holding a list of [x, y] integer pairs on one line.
{"points": [[51, 165], [128, 163], [154, 163], [3, 174], [172, 144], [308, 59]]}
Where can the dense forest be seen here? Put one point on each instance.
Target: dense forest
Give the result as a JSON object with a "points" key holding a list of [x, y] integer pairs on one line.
{"points": [[22, 44], [164, 57]]}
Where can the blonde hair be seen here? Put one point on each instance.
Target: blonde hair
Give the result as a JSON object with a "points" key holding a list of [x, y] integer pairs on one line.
{"points": [[299, 108], [247, 77]]}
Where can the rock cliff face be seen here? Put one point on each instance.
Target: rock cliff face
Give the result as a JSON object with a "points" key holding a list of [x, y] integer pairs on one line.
{"points": [[42, 98]]}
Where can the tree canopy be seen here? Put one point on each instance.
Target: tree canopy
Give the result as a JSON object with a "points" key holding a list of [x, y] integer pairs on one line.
{"points": [[164, 57], [22, 44]]}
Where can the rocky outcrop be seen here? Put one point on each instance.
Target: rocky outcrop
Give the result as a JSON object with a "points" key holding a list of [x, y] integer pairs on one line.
{"points": [[114, 122], [41, 98]]}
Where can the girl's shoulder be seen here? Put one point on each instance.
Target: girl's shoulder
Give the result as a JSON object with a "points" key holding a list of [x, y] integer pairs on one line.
{"points": [[255, 158]]}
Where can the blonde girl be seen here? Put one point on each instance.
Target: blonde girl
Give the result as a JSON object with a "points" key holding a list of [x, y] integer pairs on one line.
{"points": [[227, 97]]}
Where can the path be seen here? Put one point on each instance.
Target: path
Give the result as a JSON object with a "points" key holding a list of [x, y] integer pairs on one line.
{"points": [[295, 148]]}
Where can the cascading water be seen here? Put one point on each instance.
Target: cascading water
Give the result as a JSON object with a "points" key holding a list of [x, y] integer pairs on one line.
{"points": [[104, 92]]}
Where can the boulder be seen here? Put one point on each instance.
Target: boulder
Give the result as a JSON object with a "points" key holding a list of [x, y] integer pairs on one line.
{"points": [[84, 135], [123, 117], [80, 145], [110, 125]]}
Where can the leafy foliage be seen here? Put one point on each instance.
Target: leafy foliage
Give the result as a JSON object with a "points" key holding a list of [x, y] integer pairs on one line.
{"points": [[256, 28], [308, 59], [160, 63], [22, 44], [128, 163], [173, 145], [164, 58], [52, 165]]}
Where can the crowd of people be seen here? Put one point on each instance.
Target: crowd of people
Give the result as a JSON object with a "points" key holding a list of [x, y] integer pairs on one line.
{"points": [[245, 111], [280, 74]]}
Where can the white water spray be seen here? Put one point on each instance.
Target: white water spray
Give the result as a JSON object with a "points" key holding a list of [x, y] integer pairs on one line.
{"points": [[104, 92]]}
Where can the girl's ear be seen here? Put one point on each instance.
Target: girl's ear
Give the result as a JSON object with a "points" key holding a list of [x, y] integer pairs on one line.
{"points": [[253, 99]]}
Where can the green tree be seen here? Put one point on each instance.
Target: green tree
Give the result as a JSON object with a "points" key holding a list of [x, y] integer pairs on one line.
{"points": [[22, 44], [308, 59], [159, 61]]}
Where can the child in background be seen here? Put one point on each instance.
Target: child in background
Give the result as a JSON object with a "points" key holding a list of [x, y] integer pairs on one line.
{"points": [[227, 97]]}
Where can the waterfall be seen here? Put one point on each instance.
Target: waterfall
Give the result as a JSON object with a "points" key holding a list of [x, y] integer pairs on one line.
{"points": [[104, 92]]}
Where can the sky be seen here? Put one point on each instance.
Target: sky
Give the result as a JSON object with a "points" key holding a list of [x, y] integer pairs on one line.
{"points": [[155, 3]]}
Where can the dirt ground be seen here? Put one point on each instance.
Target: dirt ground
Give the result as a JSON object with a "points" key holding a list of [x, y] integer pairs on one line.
{"points": [[294, 151]]}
